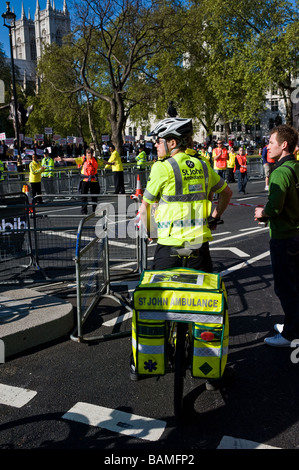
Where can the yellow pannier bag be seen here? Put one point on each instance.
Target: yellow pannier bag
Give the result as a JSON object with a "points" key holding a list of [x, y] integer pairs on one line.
{"points": [[187, 295]]}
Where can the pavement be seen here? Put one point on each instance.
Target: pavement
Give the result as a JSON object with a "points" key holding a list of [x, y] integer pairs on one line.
{"points": [[29, 318]]}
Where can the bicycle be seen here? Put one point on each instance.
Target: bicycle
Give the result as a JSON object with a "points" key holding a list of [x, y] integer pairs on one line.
{"points": [[179, 339]]}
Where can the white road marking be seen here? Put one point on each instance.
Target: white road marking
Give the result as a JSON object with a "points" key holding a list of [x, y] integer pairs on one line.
{"points": [[228, 442], [15, 396], [239, 235], [234, 250], [244, 263], [116, 421]]}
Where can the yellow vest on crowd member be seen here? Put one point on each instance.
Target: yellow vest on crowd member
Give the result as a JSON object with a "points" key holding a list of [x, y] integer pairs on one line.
{"points": [[114, 157], [231, 160], [35, 172], [181, 184]]}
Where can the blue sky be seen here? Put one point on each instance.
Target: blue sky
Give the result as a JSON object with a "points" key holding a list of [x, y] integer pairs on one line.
{"points": [[16, 5]]}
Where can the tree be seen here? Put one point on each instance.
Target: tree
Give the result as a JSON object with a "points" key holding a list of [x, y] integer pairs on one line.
{"points": [[257, 41], [112, 44]]}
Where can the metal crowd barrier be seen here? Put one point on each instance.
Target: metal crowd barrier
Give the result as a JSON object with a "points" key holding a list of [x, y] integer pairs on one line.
{"points": [[93, 277], [16, 248], [67, 181], [46, 238]]}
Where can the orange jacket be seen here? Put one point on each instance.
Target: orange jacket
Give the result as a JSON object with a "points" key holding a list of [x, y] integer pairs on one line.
{"points": [[220, 161], [242, 160]]}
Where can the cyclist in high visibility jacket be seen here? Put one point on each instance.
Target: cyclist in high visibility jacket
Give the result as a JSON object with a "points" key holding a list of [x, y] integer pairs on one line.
{"points": [[183, 186], [241, 170], [89, 177]]}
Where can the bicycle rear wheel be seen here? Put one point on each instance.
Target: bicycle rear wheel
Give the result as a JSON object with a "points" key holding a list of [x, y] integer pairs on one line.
{"points": [[179, 369]]}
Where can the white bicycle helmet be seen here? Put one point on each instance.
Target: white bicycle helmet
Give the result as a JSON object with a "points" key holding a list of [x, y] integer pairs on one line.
{"points": [[173, 127]]}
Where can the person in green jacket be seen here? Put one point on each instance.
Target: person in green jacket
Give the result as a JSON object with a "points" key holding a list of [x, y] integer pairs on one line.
{"points": [[48, 173], [282, 212], [141, 158]]}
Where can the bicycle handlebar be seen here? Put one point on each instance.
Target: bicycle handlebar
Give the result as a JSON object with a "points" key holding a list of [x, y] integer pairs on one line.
{"points": [[213, 222]]}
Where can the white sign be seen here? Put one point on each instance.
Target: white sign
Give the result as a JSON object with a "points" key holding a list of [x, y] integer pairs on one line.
{"points": [[2, 136], [48, 130], [56, 137], [28, 140], [105, 138], [39, 137], [39, 152], [11, 166]]}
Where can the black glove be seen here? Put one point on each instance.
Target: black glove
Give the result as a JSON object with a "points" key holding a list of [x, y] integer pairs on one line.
{"points": [[213, 221]]}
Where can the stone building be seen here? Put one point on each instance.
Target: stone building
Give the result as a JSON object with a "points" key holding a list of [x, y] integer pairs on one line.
{"points": [[31, 35]]}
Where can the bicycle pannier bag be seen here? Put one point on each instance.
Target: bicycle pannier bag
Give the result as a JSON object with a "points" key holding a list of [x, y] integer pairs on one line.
{"points": [[180, 294]]}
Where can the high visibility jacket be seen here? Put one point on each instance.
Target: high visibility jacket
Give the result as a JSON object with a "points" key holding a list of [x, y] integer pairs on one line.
{"points": [[89, 167], [115, 158], [241, 163], [35, 172], [195, 154], [48, 163], [141, 159], [231, 160], [270, 160], [296, 153], [1, 170], [220, 162], [181, 184]]}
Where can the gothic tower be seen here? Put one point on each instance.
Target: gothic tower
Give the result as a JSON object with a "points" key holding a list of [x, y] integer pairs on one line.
{"points": [[31, 35]]}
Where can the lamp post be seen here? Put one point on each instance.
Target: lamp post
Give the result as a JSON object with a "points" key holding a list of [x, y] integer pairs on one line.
{"points": [[9, 19]]}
